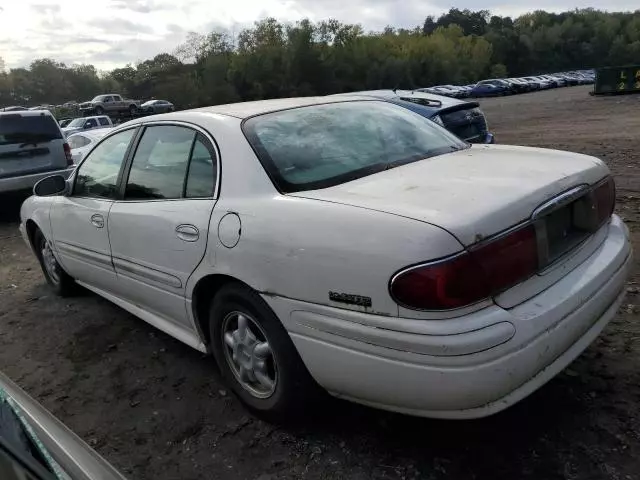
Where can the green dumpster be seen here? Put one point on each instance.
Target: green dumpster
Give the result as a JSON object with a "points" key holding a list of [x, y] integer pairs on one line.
{"points": [[617, 80]]}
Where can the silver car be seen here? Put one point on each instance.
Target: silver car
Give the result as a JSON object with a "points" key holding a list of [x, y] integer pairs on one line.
{"points": [[32, 147]]}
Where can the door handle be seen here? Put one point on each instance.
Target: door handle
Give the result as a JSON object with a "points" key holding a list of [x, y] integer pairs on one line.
{"points": [[188, 233], [97, 220]]}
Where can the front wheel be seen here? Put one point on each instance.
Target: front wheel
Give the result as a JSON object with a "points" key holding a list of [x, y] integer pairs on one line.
{"points": [[99, 110], [256, 355], [133, 110], [61, 283]]}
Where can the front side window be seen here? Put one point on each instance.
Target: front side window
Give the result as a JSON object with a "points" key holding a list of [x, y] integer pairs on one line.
{"points": [[320, 146], [160, 163], [98, 175], [91, 123]]}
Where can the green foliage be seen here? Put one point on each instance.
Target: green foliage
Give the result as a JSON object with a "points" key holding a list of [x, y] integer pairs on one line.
{"points": [[273, 59], [498, 71]]}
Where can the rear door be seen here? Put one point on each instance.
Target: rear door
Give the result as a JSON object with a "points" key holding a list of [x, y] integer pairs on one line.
{"points": [[118, 103], [80, 221], [30, 143], [109, 104], [158, 231]]}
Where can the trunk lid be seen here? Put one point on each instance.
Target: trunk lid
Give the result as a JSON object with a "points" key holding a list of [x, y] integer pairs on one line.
{"points": [[473, 193]]}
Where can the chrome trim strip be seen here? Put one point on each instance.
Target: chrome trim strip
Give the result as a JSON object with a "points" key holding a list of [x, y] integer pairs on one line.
{"points": [[146, 273], [85, 255], [560, 201]]}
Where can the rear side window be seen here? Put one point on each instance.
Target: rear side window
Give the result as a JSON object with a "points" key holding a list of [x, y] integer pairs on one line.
{"points": [[104, 121], [17, 128], [201, 178], [160, 163]]}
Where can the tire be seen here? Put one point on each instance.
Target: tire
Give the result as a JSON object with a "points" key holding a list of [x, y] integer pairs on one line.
{"points": [[99, 110], [293, 390], [59, 280], [133, 110]]}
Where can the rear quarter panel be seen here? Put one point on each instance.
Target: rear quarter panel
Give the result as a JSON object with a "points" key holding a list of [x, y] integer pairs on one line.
{"points": [[303, 249]]}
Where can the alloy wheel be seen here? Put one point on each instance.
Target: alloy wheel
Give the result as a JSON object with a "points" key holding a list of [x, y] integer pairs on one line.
{"points": [[50, 262], [249, 355]]}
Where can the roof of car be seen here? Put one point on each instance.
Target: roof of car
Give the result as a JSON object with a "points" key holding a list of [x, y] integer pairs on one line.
{"points": [[249, 109], [28, 113]]}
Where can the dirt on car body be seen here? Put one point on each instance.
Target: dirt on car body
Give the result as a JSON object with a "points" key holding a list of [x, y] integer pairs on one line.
{"points": [[156, 409]]}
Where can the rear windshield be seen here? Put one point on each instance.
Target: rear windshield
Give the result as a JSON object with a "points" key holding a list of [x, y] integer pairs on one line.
{"points": [[325, 145], [16, 128]]}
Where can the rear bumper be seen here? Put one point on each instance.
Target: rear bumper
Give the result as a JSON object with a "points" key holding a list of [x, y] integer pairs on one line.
{"points": [[26, 182], [468, 367]]}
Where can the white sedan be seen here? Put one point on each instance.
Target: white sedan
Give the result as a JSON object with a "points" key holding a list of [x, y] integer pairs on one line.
{"points": [[346, 243], [81, 143]]}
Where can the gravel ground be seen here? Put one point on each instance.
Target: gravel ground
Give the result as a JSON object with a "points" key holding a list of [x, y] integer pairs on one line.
{"points": [[157, 410]]}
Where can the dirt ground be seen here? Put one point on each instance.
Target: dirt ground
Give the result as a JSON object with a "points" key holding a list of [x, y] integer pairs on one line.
{"points": [[157, 410]]}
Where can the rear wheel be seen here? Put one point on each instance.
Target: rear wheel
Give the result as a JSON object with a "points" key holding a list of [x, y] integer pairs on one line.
{"points": [[256, 355], [61, 283]]}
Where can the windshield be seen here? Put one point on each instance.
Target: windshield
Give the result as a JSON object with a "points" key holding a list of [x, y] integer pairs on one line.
{"points": [[321, 146], [16, 128], [76, 122], [99, 98]]}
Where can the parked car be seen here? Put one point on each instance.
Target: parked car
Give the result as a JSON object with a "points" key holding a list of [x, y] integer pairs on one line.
{"points": [[518, 85], [543, 82], [157, 106], [491, 88], [112, 103], [14, 109], [83, 142], [31, 147], [462, 118], [349, 244], [87, 123], [448, 91], [34, 445]]}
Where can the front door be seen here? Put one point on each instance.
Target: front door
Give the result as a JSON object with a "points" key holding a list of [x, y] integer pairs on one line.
{"points": [[79, 222], [159, 230]]}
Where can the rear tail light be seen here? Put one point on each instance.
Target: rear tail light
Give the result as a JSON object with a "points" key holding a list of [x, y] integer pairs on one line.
{"points": [[467, 278], [604, 200], [67, 153]]}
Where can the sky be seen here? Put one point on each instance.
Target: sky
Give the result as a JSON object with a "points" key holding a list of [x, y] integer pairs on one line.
{"points": [[112, 33]]}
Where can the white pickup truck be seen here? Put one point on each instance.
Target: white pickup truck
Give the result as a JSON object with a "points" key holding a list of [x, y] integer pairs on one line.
{"points": [[110, 103]]}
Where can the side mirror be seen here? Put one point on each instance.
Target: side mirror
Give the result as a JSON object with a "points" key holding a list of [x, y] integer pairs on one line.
{"points": [[53, 185]]}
